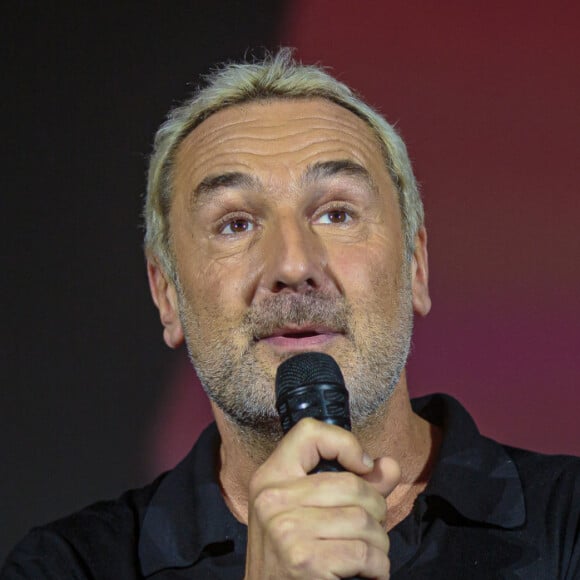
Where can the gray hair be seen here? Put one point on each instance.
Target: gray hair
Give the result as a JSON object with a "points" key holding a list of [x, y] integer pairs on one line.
{"points": [[275, 76]]}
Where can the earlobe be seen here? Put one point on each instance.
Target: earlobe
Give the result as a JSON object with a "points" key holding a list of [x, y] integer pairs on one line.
{"points": [[165, 298], [420, 274]]}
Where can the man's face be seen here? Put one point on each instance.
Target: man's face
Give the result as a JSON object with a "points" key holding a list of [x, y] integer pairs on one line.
{"points": [[287, 238]]}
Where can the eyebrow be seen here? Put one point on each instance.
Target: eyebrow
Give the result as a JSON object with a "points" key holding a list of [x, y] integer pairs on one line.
{"points": [[325, 169], [315, 172], [212, 183]]}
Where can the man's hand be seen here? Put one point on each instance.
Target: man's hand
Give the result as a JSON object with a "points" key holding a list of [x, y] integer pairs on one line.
{"points": [[325, 525]]}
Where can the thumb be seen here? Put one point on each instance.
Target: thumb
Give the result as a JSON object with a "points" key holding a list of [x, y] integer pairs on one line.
{"points": [[385, 475]]}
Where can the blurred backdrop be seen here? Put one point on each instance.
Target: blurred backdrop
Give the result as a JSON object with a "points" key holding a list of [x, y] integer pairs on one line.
{"points": [[487, 96]]}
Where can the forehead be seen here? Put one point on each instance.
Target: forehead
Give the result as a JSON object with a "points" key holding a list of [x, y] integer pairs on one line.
{"points": [[280, 136]]}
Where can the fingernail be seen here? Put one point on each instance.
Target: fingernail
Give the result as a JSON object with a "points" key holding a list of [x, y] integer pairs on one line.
{"points": [[367, 460]]}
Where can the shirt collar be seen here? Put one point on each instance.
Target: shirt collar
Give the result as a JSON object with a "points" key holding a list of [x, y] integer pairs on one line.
{"points": [[473, 474], [187, 513]]}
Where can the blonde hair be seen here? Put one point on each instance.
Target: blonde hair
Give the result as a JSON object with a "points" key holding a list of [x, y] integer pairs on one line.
{"points": [[275, 76]]}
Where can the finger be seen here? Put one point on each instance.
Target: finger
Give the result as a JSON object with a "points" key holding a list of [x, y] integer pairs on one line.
{"points": [[300, 451], [321, 490], [358, 559], [335, 559], [339, 523], [385, 475]]}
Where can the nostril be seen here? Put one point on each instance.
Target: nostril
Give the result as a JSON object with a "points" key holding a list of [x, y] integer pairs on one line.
{"points": [[305, 286]]}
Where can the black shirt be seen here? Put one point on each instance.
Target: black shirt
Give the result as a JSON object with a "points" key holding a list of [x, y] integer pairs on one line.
{"points": [[489, 511]]}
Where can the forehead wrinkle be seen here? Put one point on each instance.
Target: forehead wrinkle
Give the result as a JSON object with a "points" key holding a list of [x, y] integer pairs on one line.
{"points": [[262, 129], [255, 143]]}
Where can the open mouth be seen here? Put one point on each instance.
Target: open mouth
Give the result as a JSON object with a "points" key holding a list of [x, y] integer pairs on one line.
{"points": [[304, 334], [299, 338]]}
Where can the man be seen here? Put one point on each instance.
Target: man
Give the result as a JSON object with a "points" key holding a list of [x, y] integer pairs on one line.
{"points": [[283, 217]]}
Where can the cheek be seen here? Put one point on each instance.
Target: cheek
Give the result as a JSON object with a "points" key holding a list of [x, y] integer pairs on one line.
{"points": [[364, 270], [217, 289]]}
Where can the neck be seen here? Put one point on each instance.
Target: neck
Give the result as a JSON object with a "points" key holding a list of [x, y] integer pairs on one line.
{"points": [[241, 453], [394, 430]]}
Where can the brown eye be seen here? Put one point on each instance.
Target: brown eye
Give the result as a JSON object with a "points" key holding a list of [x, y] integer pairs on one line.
{"points": [[335, 216], [237, 226]]}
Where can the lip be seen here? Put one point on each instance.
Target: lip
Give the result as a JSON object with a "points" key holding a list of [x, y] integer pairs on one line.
{"points": [[300, 338]]}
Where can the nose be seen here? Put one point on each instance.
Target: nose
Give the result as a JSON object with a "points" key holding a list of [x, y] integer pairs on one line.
{"points": [[295, 257]]}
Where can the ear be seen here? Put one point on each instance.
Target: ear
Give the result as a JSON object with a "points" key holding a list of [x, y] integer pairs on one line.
{"points": [[165, 298], [420, 274]]}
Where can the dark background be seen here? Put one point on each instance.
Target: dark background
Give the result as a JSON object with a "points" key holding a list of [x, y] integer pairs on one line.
{"points": [[487, 96], [85, 88]]}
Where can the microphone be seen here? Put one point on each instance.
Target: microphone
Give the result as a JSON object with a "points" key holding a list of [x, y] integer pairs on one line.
{"points": [[311, 384]]}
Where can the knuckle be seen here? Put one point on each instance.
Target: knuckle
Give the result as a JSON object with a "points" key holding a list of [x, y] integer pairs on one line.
{"points": [[283, 528], [360, 517], [360, 550], [290, 539], [299, 560], [267, 500]]}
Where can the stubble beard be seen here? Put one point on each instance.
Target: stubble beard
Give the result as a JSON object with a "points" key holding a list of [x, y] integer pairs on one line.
{"points": [[371, 354]]}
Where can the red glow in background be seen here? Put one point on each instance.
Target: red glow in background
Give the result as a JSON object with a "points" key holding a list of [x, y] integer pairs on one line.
{"points": [[487, 98]]}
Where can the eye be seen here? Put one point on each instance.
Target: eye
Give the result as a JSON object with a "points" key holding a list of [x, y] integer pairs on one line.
{"points": [[235, 226], [335, 216]]}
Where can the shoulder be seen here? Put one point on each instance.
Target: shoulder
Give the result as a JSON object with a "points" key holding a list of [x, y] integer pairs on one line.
{"points": [[555, 465], [544, 465], [530, 500], [552, 479], [66, 548], [551, 490], [105, 539]]}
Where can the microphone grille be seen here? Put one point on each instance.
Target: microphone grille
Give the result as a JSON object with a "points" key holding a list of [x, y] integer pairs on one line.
{"points": [[306, 369]]}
